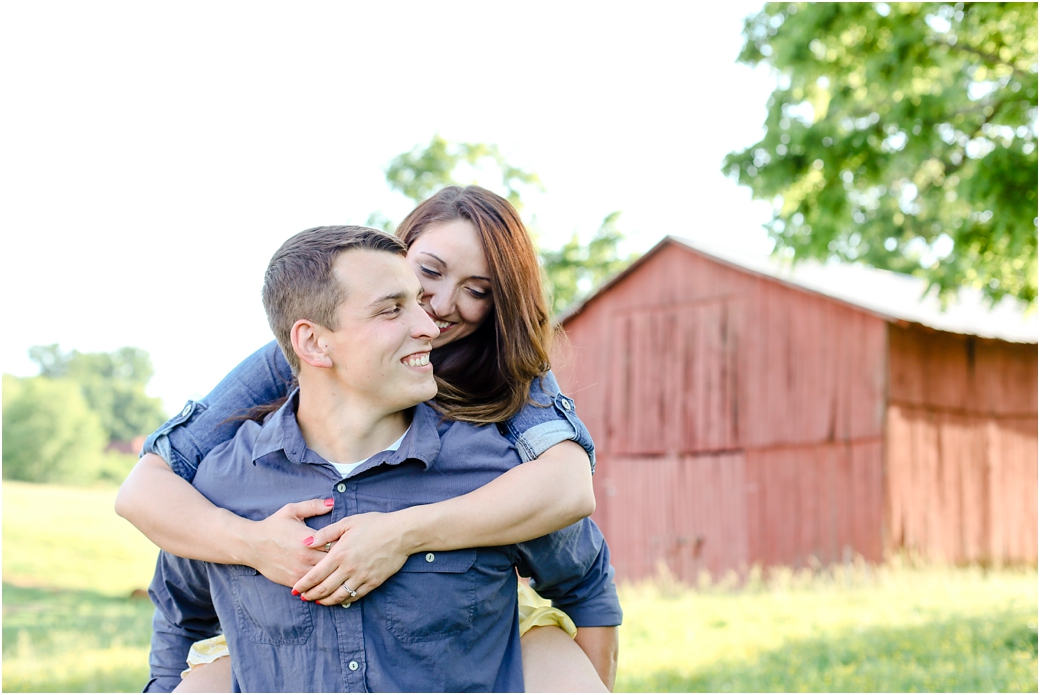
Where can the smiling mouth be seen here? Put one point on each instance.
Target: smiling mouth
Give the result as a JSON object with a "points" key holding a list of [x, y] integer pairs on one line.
{"points": [[443, 325], [418, 359]]}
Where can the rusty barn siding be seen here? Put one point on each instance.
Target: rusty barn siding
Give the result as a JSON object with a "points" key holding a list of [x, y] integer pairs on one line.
{"points": [[737, 420], [814, 403], [961, 447], [669, 478]]}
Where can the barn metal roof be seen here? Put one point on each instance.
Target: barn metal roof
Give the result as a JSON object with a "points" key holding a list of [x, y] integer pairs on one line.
{"points": [[891, 296]]}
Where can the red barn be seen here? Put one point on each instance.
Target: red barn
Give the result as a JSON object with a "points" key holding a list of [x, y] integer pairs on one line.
{"points": [[746, 412]]}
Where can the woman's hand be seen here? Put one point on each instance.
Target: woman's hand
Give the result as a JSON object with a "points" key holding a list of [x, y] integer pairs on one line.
{"points": [[278, 548], [366, 550]]}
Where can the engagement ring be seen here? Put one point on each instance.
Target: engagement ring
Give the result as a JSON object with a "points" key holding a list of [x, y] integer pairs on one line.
{"points": [[349, 590]]}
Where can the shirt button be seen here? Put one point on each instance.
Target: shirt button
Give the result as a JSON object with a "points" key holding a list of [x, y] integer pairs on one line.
{"points": [[341, 488], [187, 409], [348, 604], [566, 404], [353, 666], [429, 557]]}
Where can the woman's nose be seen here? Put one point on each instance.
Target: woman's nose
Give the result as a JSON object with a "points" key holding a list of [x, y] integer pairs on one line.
{"points": [[442, 304]]}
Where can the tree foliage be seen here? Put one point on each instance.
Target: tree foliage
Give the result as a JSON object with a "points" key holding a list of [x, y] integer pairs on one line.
{"points": [[570, 271], [575, 269], [50, 433], [423, 171], [903, 136], [113, 384]]}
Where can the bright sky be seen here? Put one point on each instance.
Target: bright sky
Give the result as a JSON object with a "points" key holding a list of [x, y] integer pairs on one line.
{"points": [[156, 155]]}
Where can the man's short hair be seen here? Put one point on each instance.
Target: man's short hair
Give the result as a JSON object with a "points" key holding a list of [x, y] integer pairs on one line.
{"points": [[300, 284]]}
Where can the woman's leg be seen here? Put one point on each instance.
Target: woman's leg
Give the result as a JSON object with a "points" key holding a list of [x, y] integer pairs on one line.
{"points": [[553, 662], [214, 677]]}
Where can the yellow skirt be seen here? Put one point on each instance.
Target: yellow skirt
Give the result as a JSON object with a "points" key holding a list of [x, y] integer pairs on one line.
{"points": [[535, 611]]}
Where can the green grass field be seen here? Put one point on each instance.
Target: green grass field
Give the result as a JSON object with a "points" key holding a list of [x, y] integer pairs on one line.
{"points": [[70, 623], [70, 565], [861, 629]]}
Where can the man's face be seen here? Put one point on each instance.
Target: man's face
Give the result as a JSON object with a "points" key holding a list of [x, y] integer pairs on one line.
{"points": [[381, 349]]}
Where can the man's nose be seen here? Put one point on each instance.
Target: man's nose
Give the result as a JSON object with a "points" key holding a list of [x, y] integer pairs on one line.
{"points": [[424, 327]]}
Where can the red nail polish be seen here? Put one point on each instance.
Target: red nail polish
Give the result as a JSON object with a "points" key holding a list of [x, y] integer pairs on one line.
{"points": [[295, 592], [303, 598], [329, 502], [308, 540]]}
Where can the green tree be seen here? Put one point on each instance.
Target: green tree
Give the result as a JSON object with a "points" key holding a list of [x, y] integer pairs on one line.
{"points": [[112, 383], [575, 269], [50, 433], [902, 135], [423, 171], [570, 271]]}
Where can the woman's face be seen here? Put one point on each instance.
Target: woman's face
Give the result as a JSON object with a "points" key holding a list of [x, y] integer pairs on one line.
{"points": [[449, 260]]}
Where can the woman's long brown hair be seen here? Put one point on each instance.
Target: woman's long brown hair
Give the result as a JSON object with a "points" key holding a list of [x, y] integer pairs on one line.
{"points": [[486, 376]]}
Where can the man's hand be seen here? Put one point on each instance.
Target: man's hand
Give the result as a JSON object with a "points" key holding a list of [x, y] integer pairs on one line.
{"points": [[276, 544], [367, 549]]}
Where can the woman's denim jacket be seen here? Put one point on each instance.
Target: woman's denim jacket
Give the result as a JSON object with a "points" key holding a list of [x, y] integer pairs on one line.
{"points": [[265, 376]]}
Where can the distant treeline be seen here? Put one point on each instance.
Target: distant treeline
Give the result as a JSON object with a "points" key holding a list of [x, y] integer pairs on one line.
{"points": [[58, 426]]}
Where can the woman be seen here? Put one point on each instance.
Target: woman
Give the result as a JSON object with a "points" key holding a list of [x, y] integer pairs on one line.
{"points": [[481, 285]]}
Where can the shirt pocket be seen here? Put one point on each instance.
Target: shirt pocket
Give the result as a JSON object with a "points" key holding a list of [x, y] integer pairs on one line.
{"points": [[268, 613], [432, 597]]}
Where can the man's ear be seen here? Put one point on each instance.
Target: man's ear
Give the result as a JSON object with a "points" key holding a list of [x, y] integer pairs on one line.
{"points": [[308, 345]]}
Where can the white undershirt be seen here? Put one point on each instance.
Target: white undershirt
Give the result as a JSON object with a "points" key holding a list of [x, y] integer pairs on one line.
{"points": [[345, 469]]}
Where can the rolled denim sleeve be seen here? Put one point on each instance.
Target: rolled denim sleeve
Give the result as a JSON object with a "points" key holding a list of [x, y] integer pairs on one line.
{"points": [[549, 419], [184, 614], [571, 567], [185, 439]]}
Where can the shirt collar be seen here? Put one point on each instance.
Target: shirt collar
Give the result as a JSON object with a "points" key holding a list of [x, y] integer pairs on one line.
{"points": [[281, 432]]}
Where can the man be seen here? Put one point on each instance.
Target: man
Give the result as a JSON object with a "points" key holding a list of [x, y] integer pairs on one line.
{"points": [[344, 305]]}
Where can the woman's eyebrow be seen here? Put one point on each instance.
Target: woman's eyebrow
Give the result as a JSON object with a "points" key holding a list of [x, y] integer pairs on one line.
{"points": [[441, 261], [434, 257]]}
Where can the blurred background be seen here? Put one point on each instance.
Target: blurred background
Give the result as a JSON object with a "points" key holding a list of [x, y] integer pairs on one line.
{"points": [[849, 195]]}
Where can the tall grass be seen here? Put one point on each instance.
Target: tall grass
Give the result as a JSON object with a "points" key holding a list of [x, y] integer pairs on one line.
{"points": [[70, 538], [896, 628], [69, 568], [74, 641], [70, 624]]}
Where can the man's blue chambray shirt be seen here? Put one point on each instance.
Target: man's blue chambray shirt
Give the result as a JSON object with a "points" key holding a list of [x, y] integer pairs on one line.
{"points": [[446, 622]]}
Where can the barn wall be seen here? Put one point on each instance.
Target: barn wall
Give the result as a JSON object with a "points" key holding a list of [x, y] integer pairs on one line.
{"points": [[823, 500], [737, 421], [962, 447], [814, 370], [687, 513]]}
